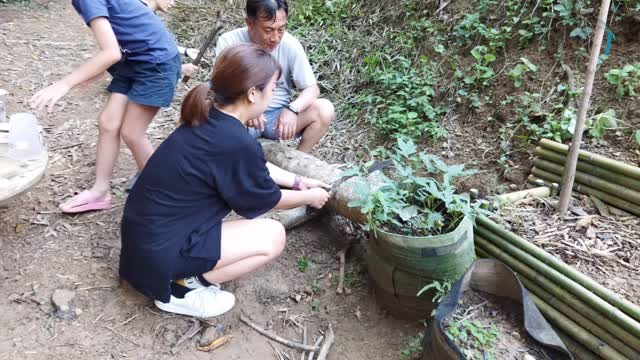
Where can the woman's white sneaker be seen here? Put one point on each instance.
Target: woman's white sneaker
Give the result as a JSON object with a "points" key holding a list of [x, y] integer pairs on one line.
{"points": [[202, 302]]}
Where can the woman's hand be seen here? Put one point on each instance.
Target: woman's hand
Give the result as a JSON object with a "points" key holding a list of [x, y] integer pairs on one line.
{"points": [[257, 123], [49, 96], [308, 183], [317, 197]]}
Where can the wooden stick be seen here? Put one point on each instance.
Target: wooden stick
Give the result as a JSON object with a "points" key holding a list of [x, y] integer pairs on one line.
{"points": [[206, 44], [304, 341], [316, 344], [324, 351], [572, 160], [293, 344], [341, 255]]}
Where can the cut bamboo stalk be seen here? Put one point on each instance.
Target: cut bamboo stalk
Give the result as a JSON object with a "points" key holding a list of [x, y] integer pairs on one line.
{"points": [[575, 331], [586, 168], [591, 181], [534, 181], [542, 191], [579, 351], [555, 294], [581, 320], [595, 159], [608, 198], [616, 300], [599, 304], [562, 307]]}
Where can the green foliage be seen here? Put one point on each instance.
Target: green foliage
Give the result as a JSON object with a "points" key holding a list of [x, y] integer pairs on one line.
{"points": [[555, 123], [517, 73], [626, 80], [441, 288], [303, 263], [400, 101], [412, 347], [411, 201], [475, 340]]}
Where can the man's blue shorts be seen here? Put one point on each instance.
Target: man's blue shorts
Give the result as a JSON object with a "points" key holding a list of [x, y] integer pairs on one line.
{"points": [[146, 83], [270, 121]]}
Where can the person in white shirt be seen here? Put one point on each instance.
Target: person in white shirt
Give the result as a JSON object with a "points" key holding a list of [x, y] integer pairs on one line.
{"points": [[308, 116]]}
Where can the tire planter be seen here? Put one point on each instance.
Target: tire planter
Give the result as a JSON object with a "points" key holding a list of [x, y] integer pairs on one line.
{"points": [[400, 266]]}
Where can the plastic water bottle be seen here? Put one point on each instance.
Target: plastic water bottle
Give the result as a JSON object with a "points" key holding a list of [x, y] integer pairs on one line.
{"points": [[24, 137]]}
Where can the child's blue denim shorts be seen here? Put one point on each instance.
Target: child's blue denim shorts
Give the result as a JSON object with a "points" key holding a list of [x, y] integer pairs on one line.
{"points": [[146, 83], [271, 117]]}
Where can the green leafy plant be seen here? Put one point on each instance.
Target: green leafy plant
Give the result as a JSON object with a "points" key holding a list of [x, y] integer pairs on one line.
{"points": [[441, 288], [475, 340], [419, 197], [517, 73], [412, 347], [303, 263], [626, 80], [402, 100]]}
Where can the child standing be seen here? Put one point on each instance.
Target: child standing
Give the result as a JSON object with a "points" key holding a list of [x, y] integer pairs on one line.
{"points": [[172, 224], [141, 55]]}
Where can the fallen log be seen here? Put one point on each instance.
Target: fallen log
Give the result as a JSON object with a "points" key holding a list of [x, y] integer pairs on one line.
{"points": [[308, 166]]}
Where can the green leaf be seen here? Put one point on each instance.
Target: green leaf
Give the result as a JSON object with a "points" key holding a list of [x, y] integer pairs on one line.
{"points": [[408, 212], [607, 119], [531, 66], [638, 136]]}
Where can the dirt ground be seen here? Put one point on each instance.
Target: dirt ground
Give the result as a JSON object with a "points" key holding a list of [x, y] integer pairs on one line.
{"points": [[43, 251]]}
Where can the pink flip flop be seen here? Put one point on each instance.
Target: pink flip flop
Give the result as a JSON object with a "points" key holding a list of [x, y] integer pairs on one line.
{"points": [[85, 202]]}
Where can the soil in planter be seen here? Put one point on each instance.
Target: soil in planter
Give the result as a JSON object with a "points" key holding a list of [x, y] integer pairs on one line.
{"points": [[485, 326]]}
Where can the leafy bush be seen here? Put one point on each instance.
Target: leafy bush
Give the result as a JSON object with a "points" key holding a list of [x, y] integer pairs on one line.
{"points": [[401, 99], [627, 79], [419, 198]]}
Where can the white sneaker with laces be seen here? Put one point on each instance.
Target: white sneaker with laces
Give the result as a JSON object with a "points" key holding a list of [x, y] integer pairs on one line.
{"points": [[202, 302]]}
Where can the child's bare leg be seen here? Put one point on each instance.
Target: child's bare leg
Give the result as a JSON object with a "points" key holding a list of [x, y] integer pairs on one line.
{"points": [[246, 246], [134, 131], [108, 146]]}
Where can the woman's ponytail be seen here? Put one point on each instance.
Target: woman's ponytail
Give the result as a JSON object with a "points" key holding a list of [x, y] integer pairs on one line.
{"points": [[196, 105]]}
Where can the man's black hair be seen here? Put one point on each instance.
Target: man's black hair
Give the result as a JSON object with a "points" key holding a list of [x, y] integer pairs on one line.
{"points": [[265, 9]]}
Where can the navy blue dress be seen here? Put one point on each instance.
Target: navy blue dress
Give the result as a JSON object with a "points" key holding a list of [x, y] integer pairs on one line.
{"points": [[172, 219]]}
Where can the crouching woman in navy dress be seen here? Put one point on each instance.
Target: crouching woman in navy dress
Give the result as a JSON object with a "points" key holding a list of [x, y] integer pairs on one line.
{"points": [[175, 247]]}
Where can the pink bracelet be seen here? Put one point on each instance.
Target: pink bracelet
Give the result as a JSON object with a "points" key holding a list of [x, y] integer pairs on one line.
{"points": [[296, 183]]}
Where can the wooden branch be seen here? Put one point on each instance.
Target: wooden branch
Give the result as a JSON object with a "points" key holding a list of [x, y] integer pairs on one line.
{"points": [[341, 255], [293, 344], [304, 341], [316, 344], [324, 351], [207, 43], [572, 160]]}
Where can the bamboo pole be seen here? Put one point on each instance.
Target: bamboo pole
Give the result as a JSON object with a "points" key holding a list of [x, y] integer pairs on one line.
{"points": [[595, 159], [533, 181], [596, 328], [570, 168], [493, 242], [581, 320], [616, 300], [597, 171], [572, 307], [608, 198], [591, 181], [574, 330], [605, 308]]}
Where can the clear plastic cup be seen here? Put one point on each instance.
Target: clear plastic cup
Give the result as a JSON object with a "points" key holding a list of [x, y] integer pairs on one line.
{"points": [[24, 137]]}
